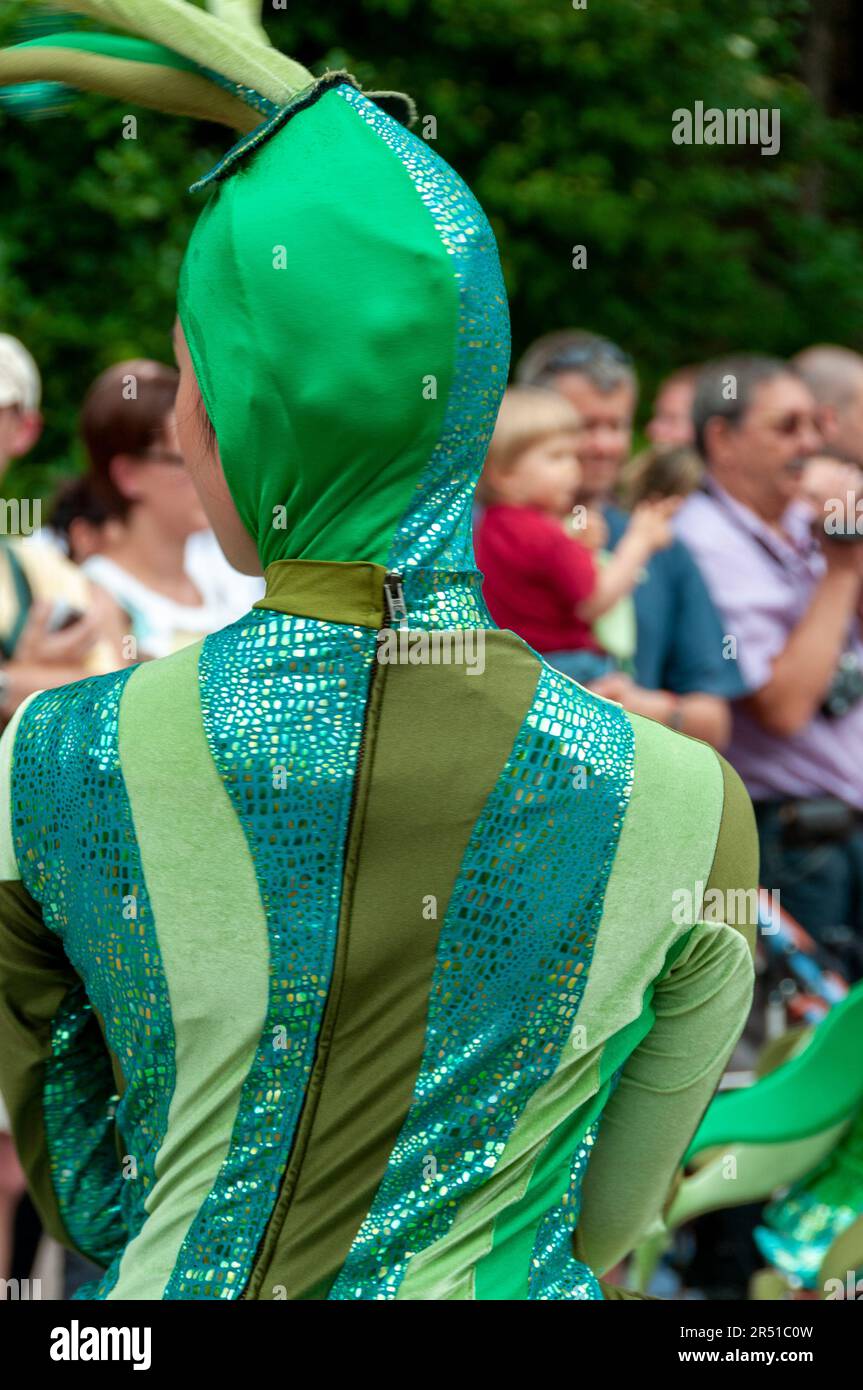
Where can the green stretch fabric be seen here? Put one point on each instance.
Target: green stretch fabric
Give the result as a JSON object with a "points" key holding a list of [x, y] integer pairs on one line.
{"points": [[114, 46], [313, 589], [376, 1034], [299, 336], [199, 890], [672, 1037], [36, 978]]}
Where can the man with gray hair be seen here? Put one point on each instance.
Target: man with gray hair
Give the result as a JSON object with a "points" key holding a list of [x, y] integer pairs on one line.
{"points": [[789, 593], [599, 379], [680, 678], [834, 375]]}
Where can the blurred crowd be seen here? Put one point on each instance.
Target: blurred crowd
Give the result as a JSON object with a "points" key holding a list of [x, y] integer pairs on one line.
{"points": [[712, 580]]}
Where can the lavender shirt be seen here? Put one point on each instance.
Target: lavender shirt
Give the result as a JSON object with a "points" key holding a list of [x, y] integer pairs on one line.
{"points": [[762, 586]]}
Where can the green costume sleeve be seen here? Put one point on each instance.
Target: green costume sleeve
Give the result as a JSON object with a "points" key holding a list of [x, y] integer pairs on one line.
{"points": [[53, 1062], [701, 1004]]}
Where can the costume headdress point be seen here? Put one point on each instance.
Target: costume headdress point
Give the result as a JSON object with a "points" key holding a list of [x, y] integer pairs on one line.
{"points": [[215, 64], [341, 292]]}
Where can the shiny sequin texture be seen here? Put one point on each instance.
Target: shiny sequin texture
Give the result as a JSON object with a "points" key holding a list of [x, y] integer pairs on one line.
{"points": [[800, 1228], [436, 599], [78, 856], [283, 702], [79, 1130], [554, 1272], [436, 531], [513, 956]]}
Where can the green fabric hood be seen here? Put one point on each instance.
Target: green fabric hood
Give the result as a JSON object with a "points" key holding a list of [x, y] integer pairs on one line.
{"points": [[342, 301]]}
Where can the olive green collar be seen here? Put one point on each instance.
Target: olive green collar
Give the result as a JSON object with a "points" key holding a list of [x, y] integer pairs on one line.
{"points": [[332, 591]]}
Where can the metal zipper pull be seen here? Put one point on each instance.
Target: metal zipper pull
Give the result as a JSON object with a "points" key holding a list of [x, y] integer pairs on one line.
{"points": [[394, 596]]}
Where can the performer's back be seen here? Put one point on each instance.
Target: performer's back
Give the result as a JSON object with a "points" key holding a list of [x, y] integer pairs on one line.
{"points": [[384, 959]]}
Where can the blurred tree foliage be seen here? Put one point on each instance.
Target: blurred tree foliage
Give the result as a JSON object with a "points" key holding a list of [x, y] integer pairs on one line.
{"points": [[559, 117]]}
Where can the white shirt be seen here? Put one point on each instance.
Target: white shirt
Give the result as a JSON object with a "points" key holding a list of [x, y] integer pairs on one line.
{"points": [[159, 624]]}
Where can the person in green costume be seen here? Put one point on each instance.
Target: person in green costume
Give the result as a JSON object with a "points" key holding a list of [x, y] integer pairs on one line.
{"points": [[326, 974]]}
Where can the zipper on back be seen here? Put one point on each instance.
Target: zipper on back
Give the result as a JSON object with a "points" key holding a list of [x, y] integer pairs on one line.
{"points": [[395, 615]]}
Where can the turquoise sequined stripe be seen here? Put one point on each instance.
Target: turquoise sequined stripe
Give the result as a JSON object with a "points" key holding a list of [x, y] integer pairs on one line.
{"points": [[283, 702], [800, 1226], [513, 958], [78, 854], [436, 531], [78, 1105], [554, 1272], [441, 600]]}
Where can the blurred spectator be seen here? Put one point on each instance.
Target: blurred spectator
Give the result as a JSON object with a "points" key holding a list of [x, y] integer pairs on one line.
{"points": [[54, 625], [671, 422], [680, 676], [82, 526], [208, 567], [79, 520], [138, 478], [834, 375], [541, 581], [788, 593]]}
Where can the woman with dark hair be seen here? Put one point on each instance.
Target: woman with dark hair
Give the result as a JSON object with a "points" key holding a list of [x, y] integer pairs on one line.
{"points": [[138, 475], [380, 946]]}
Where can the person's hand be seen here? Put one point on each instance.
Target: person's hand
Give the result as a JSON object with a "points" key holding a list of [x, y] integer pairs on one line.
{"points": [[594, 531], [615, 686], [12, 1181], [38, 646], [650, 523], [833, 490], [843, 557], [826, 480], [652, 704]]}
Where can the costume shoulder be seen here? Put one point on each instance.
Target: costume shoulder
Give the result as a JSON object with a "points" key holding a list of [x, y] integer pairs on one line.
{"points": [[706, 816], [63, 748], [55, 743]]}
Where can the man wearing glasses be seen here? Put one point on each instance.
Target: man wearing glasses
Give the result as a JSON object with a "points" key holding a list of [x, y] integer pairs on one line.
{"points": [[788, 587]]}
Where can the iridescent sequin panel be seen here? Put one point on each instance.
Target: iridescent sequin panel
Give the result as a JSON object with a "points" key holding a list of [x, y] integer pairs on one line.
{"points": [[800, 1227], [436, 530], [283, 702], [555, 1273], [79, 859], [513, 956], [78, 1113], [440, 600]]}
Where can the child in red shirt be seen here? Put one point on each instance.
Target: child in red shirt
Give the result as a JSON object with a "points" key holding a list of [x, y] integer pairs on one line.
{"points": [[540, 581]]}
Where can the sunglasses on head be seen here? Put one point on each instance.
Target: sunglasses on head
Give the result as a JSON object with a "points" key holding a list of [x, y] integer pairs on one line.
{"points": [[583, 354]]}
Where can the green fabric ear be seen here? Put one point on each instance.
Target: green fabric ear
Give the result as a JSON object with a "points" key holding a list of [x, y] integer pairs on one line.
{"points": [[141, 73], [819, 1087], [240, 14], [215, 64], [234, 53]]}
